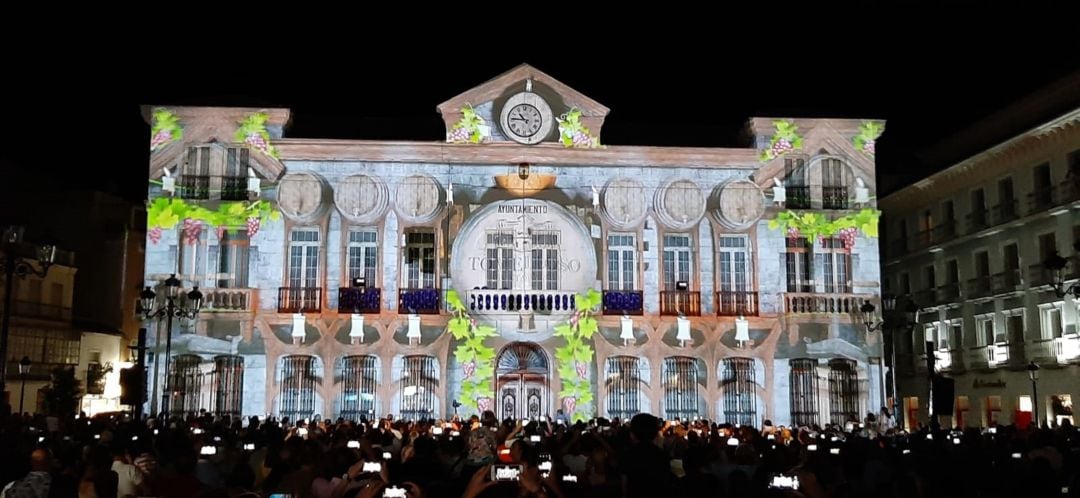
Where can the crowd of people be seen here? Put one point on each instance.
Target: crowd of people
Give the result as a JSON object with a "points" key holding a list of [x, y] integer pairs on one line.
{"points": [[479, 457]]}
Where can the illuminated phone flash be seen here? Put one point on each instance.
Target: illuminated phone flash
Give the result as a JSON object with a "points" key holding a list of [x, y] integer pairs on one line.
{"points": [[834, 451], [1016, 456], [386, 455], [930, 437], [41, 439], [353, 444], [196, 431], [770, 437], [134, 438], [455, 433], [734, 441], [97, 436], [812, 447], [155, 432], [436, 431], [208, 450], [535, 439], [955, 440], [907, 451]]}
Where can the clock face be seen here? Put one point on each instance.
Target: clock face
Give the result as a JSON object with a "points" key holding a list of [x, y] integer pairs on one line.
{"points": [[524, 120]]}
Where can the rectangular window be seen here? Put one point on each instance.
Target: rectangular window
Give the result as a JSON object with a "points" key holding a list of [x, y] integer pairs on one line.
{"points": [[982, 264], [956, 334], [797, 261], [1014, 325], [984, 326], [192, 254], [929, 277], [905, 284], [1047, 245], [304, 258], [836, 266], [420, 259], [843, 391], [500, 259], [622, 262], [1050, 320], [978, 208], [545, 259], [232, 263], [804, 392], [680, 382], [734, 264], [363, 255], [677, 261], [195, 174], [623, 383]]}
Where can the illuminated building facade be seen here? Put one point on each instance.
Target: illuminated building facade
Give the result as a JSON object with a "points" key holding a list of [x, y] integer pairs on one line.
{"points": [[341, 306]]}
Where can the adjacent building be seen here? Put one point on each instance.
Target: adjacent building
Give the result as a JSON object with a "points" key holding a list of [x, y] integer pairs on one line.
{"points": [[969, 247], [339, 307]]}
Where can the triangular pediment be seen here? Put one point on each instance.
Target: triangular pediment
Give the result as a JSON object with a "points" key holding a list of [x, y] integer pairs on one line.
{"points": [[831, 137], [216, 125], [486, 97]]}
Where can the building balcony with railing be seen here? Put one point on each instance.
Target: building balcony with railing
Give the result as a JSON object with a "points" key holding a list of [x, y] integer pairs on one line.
{"points": [[299, 299], [623, 302], [943, 232], [426, 301], [947, 293], [1067, 348], [828, 303], [943, 360], [1007, 281], [997, 354], [678, 302], [357, 300], [196, 187], [979, 287], [483, 301], [234, 188], [736, 303], [219, 300]]}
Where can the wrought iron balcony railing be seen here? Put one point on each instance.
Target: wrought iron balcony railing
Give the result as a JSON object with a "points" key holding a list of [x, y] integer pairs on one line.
{"points": [[537, 301], [680, 302], [420, 301], [355, 300], [736, 303], [299, 299], [618, 302]]}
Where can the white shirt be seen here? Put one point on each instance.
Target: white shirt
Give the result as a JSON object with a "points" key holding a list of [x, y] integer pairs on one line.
{"points": [[129, 479]]}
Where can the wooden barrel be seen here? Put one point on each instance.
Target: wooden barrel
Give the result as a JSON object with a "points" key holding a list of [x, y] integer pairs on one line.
{"points": [[739, 204], [679, 204], [302, 196], [623, 203], [362, 198], [418, 199]]}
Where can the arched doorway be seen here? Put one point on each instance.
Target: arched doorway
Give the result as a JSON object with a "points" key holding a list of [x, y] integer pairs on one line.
{"points": [[521, 381]]}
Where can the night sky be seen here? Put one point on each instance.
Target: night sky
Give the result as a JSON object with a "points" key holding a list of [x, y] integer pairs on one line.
{"points": [[928, 78]]}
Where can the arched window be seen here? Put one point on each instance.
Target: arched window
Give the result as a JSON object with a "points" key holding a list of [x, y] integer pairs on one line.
{"points": [[804, 392], [738, 385], [622, 378], [843, 391], [680, 379], [358, 376], [228, 384]]}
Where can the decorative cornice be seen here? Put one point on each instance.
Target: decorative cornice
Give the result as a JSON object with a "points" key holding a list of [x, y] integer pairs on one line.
{"points": [[507, 153]]}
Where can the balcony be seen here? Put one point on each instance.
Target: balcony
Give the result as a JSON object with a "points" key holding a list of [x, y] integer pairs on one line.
{"points": [[834, 197], [979, 286], [944, 232], [997, 354], [800, 302], [1042, 351], [922, 240], [229, 300], [420, 301], [1006, 211], [194, 187], [299, 299], [29, 309], [976, 357], [1067, 348], [979, 219], [686, 303], [234, 188], [736, 303], [617, 302], [798, 197], [508, 301], [948, 293], [1069, 191], [354, 300], [1039, 276], [1007, 281]]}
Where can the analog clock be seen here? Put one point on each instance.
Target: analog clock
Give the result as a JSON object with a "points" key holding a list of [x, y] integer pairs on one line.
{"points": [[526, 118]]}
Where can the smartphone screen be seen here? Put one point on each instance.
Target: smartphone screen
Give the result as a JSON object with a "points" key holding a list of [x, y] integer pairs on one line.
{"points": [[353, 444], [249, 446], [371, 467], [386, 455], [505, 472], [394, 492], [784, 481]]}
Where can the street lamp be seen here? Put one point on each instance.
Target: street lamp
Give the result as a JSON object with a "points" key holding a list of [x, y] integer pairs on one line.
{"points": [[14, 265], [869, 316], [1033, 374], [1056, 265], [24, 369], [170, 310]]}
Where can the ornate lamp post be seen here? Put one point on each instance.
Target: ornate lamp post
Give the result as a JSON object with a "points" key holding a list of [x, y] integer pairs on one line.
{"points": [[13, 265], [870, 320], [910, 317], [1055, 264], [24, 369], [169, 310]]}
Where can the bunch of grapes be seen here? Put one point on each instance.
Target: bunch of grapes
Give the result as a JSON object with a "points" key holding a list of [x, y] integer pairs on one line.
{"points": [[869, 146], [257, 141], [582, 369], [793, 233], [581, 139], [781, 146], [468, 368], [847, 237], [220, 233], [458, 135], [154, 235], [192, 229], [161, 138], [252, 226]]}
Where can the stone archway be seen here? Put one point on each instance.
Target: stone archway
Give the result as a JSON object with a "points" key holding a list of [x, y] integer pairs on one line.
{"points": [[522, 381]]}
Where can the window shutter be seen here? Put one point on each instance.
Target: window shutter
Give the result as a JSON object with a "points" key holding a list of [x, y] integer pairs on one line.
{"points": [[174, 257], [240, 267], [854, 270], [252, 262], [818, 274], [215, 267]]}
